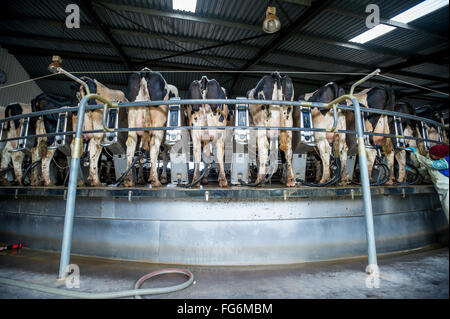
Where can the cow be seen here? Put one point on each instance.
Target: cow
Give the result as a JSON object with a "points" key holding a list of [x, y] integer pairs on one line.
{"points": [[93, 121], [410, 128], [41, 125], [208, 115], [324, 119], [146, 86], [382, 98], [273, 87], [12, 130]]}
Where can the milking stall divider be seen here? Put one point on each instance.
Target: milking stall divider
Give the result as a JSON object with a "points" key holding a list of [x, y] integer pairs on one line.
{"points": [[239, 128]]}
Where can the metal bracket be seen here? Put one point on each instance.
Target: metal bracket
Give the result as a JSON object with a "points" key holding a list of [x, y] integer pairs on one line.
{"points": [[399, 137], [22, 143], [60, 140]]}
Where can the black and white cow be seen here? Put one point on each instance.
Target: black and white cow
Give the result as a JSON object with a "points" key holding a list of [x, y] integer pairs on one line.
{"points": [[276, 88], [208, 115]]}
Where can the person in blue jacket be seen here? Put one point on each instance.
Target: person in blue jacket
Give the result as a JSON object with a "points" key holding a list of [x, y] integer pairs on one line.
{"points": [[437, 167]]}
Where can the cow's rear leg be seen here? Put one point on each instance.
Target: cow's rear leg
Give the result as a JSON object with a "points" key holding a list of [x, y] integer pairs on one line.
{"points": [[17, 159], [131, 149], [197, 150], [324, 152], [342, 151], [400, 156], [165, 159], [46, 161], [220, 154], [390, 164], [155, 143], [95, 151], [263, 151], [5, 160], [206, 159], [287, 148]]}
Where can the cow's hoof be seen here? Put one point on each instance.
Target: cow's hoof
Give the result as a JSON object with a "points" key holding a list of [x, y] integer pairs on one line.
{"points": [[204, 180], [128, 183], [223, 183], [156, 184], [47, 184], [343, 183], [95, 184], [389, 183], [290, 183], [163, 180]]}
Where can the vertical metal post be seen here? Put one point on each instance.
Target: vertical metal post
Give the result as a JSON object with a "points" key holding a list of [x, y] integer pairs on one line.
{"points": [[72, 191], [365, 184]]}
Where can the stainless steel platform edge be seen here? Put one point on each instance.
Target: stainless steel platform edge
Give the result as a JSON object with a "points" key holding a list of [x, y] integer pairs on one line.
{"points": [[216, 192]]}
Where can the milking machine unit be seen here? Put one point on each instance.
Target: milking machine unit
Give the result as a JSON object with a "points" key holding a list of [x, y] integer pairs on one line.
{"points": [[302, 142], [241, 139], [178, 142], [115, 141]]}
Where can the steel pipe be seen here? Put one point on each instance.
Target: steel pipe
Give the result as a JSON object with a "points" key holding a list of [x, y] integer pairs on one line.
{"points": [[233, 101], [365, 185], [72, 188]]}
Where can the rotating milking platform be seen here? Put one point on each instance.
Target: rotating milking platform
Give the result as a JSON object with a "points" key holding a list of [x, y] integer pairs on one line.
{"points": [[231, 226]]}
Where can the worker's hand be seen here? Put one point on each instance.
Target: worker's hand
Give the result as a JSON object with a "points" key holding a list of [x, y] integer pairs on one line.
{"points": [[412, 149]]}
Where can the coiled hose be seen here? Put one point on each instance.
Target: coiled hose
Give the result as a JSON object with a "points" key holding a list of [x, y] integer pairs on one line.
{"points": [[122, 177], [415, 171], [336, 178], [28, 170], [108, 295], [195, 182], [384, 167]]}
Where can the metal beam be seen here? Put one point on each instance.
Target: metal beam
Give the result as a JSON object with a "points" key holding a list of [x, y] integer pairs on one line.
{"points": [[86, 6], [176, 15], [310, 37], [139, 63]]}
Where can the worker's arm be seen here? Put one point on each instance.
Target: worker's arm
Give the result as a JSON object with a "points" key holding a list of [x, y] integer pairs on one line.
{"points": [[439, 164]]}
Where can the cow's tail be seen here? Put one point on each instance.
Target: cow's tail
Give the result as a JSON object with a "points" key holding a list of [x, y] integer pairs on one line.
{"points": [[277, 79], [335, 89], [390, 101]]}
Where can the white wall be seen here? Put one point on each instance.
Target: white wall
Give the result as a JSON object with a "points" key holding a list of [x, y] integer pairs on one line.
{"points": [[23, 93]]}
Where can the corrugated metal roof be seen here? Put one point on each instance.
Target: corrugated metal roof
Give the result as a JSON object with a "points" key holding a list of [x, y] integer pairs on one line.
{"points": [[129, 30]]}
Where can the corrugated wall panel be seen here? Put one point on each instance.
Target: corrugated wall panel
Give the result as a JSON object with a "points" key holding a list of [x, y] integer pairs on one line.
{"points": [[23, 93]]}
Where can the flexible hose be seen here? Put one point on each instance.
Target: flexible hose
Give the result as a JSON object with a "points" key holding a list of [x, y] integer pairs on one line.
{"points": [[384, 167], [411, 168], [264, 180], [28, 170], [332, 181], [108, 295], [195, 182], [122, 177]]}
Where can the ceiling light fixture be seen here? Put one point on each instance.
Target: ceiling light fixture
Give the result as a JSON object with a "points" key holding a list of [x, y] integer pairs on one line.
{"points": [[271, 23]]}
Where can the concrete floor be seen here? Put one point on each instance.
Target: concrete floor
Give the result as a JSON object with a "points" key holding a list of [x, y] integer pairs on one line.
{"points": [[422, 273]]}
